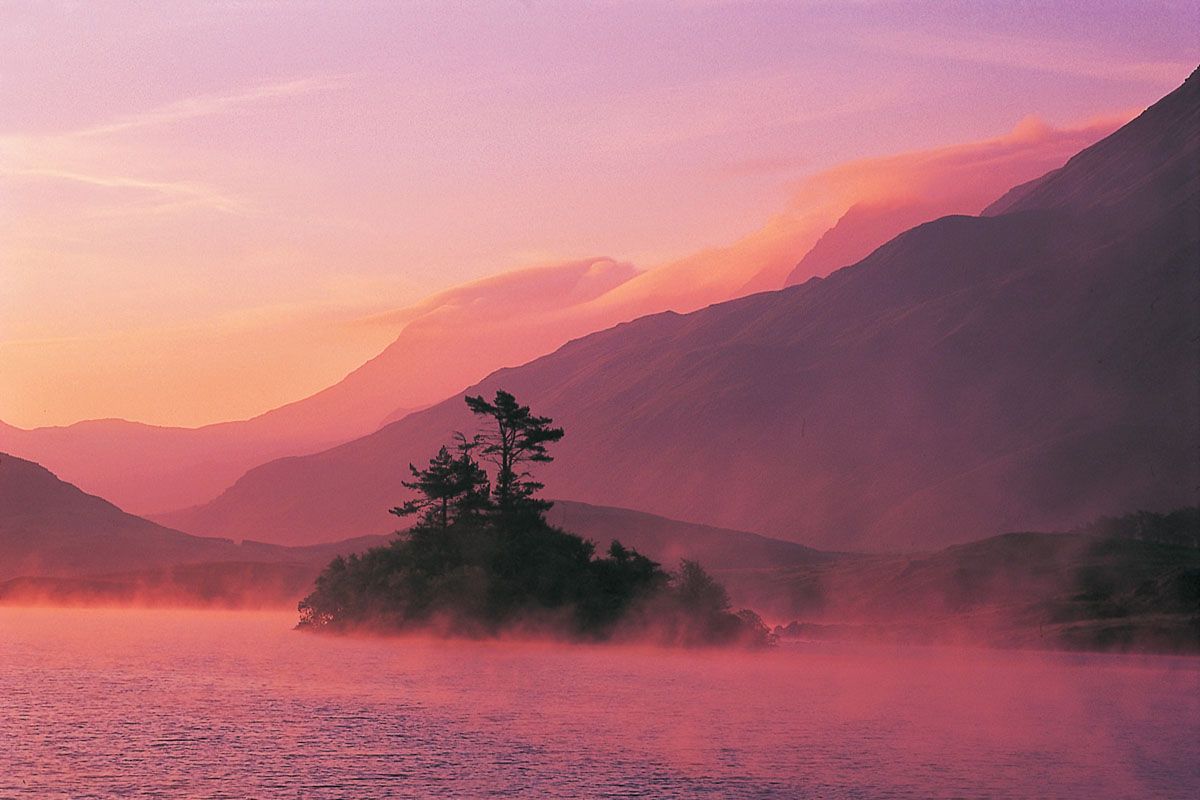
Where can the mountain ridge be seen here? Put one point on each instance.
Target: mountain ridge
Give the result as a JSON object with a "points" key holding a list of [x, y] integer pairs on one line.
{"points": [[457, 336], [973, 375], [58, 541]]}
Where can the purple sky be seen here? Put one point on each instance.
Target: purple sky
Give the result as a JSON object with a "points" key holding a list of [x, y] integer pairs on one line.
{"points": [[186, 197]]}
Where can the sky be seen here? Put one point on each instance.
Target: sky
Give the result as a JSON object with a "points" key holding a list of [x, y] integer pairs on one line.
{"points": [[202, 201]]}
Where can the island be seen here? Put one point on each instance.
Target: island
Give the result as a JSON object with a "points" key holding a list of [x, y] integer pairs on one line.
{"points": [[481, 560]]}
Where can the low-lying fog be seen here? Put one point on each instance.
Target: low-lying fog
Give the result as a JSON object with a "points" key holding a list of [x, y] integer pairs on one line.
{"points": [[141, 703]]}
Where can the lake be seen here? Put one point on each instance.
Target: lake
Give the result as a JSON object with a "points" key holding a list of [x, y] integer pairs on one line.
{"points": [[172, 704]]}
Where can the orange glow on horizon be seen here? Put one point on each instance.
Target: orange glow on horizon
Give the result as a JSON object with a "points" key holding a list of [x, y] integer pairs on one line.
{"points": [[193, 239], [503, 320]]}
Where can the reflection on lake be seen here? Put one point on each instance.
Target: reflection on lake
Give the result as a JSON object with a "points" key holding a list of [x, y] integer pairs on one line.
{"points": [[223, 705]]}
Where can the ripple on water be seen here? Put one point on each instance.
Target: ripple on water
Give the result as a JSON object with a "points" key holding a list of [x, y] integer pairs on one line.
{"points": [[209, 705]]}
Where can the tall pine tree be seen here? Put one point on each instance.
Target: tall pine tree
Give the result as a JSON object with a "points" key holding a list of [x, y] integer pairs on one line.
{"points": [[519, 437], [452, 488]]}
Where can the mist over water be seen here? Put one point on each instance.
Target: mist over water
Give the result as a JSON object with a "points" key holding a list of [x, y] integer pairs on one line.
{"points": [[102, 703]]}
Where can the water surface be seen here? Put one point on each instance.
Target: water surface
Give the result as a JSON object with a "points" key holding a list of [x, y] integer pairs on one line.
{"points": [[222, 705]]}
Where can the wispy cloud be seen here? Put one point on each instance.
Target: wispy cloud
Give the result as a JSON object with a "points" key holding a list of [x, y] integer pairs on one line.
{"points": [[84, 156], [1042, 55], [193, 193], [207, 105]]}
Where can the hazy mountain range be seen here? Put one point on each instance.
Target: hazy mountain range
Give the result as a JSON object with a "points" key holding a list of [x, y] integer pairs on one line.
{"points": [[1097, 588], [1025, 370], [59, 543], [454, 338], [51, 528], [1028, 369]]}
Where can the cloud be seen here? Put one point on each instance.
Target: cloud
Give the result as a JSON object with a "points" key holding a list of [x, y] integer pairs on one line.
{"points": [[189, 192], [1042, 55], [879, 198], [207, 105], [986, 167], [534, 310], [87, 155], [457, 336], [955, 179], [532, 290]]}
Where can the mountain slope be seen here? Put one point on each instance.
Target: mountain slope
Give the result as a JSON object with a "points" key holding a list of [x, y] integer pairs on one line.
{"points": [[859, 231], [1150, 166], [974, 375], [922, 187], [667, 540], [69, 546], [1046, 590], [151, 468], [49, 527], [454, 337], [52, 529]]}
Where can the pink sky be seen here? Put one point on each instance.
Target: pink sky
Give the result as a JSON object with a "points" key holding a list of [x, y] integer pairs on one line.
{"points": [[198, 208]]}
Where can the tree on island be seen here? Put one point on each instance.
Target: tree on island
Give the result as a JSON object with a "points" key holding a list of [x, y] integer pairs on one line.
{"points": [[480, 559], [451, 487], [519, 438]]}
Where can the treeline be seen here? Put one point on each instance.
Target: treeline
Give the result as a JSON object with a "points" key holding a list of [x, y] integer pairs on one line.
{"points": [[481, 559], [1180, 527]]}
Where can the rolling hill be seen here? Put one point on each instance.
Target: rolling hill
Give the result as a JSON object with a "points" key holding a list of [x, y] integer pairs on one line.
{"points": [[61, 545], [52, 529], [1086, 589]]}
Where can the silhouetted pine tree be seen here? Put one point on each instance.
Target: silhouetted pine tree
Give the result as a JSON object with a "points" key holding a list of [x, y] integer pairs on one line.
{"points": [[519, 438], [451, 488]]}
